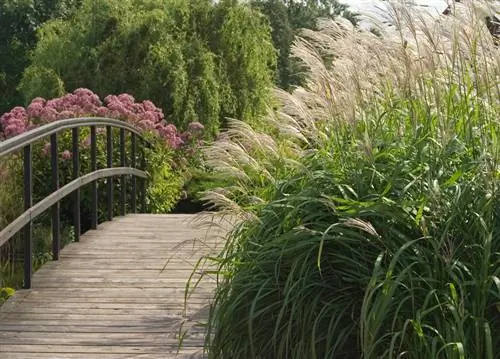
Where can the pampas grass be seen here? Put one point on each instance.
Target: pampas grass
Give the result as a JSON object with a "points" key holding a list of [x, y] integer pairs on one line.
{"points": [[370, 202]]}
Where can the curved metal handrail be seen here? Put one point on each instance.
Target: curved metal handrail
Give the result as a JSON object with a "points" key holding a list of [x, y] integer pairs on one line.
{"points": [[18, 142], [32, 213], [25, 142]]}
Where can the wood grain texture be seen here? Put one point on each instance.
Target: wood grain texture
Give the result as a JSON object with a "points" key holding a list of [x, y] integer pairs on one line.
{"points": [[118, 293]]}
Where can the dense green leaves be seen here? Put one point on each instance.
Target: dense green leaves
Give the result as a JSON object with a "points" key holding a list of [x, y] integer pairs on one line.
{"points": [[200, 60], [286, 18], [19, 21], [370, 255], [197, 60]]}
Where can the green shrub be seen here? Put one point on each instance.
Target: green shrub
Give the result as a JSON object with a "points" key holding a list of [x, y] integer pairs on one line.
{"points": [[6, 293], [165, 183], [166, 146], [165, 151], [197, 60]]}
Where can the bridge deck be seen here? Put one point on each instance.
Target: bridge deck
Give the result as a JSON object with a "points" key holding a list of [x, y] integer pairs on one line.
{"points": [[107, 297]]}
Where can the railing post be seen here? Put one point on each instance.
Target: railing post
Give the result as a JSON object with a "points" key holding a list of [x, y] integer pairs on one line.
{"points": [[76, 173], [93, 188], [143, 180], [134, 179], [109, 162], [28, 229], [56, 208], [123, 183]]}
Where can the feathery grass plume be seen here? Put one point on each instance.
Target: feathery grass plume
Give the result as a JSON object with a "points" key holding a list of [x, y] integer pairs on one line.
{"points": [[377, 229], [421, 49], [251, 163]]}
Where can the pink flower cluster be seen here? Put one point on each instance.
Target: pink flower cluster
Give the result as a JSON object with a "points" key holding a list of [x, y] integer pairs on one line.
{"points": [[144, 115], [66, 154], [14, 122], [83, 102]]}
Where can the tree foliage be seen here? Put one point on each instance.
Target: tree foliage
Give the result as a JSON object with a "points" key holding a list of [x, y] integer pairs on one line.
{"points": [[19, 21], [198, 60], [288, 16]]}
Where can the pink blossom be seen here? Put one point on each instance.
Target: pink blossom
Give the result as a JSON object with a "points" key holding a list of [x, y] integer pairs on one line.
{"points": [[150, 116], [126, 98], [65, 114], [114, 114], [14, 122], [35, 109], [110, 98], [186, 136], [149, 106], [86, 142], [46, 149], [83, 102], [39, 100], [170, 128], [66, 155], [147, 124], [17, 113], [175, 142], [102, 111], [49, 114], [89, 109], [195, 127], [118, 109], [53, 104], [13, 130], [132, 117], [83, 92]]}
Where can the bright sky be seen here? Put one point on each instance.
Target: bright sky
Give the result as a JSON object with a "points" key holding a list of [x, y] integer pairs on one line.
{"points": [[434, 7], [374, 7], [364, 6]]}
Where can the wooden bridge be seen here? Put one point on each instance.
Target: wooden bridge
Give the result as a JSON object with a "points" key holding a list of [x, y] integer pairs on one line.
{"points": [[118, 293], [122, 289]]}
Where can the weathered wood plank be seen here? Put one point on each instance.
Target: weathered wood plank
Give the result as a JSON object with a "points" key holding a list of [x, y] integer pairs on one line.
{"points": [[77, 325], [113, 292], [110, 296], [195, 354], [162, 351]]}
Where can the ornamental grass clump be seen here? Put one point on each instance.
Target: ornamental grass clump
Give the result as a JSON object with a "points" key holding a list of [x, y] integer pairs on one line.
{"points": [[379, 235]]}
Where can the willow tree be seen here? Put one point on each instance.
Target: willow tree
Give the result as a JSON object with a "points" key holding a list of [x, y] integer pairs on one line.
{"points": [[286, 17], [199, 60], [245, 55]]}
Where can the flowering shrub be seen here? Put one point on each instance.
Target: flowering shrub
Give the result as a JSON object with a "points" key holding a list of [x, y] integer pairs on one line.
{"points": [[165, 160], [84, 103]]}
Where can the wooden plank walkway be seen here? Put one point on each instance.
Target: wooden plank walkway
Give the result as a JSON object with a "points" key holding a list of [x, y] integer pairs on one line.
{"points": [[107, 297]]}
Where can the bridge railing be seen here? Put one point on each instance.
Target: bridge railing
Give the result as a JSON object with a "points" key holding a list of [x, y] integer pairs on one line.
{"points": [[25, 142]]}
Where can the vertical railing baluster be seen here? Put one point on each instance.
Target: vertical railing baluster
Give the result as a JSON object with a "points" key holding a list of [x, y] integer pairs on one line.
{"points": [[56, 208], [137, 161], [28, 229], [134, 179], [143, 180], [123, 183], [93, 167], [109, 163], [76, 173]]}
